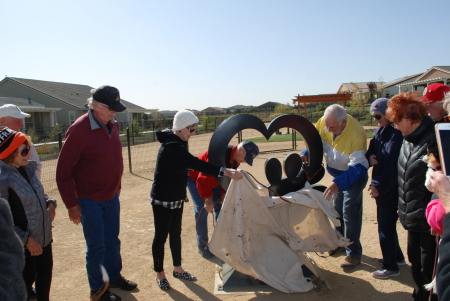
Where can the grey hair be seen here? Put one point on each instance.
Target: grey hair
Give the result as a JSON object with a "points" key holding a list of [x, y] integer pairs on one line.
{"points": [[336, 111], [91, 100], [446, 102]]}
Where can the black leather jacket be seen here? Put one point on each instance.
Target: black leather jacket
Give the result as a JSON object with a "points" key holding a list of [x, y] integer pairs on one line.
{"points": [[413, 196]]}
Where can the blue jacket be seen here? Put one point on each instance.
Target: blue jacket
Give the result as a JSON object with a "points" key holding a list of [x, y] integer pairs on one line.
{"points": [[385, 145]]}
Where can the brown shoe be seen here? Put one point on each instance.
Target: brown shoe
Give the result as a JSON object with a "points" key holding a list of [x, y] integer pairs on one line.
{"points": [[336, 250], [350, 262]]}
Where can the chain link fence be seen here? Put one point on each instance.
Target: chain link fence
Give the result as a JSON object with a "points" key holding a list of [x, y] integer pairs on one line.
{"points": [[140, 145]]}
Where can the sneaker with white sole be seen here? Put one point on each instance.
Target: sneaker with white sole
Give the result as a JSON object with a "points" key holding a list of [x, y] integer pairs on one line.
{"points": [[399, 263], [384, 274]]}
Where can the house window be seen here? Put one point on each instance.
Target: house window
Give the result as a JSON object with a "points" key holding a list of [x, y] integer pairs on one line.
{"points": [[71, 117]]}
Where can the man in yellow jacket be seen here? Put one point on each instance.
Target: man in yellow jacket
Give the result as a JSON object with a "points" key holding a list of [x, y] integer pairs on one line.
{"points": [[344, 147]]}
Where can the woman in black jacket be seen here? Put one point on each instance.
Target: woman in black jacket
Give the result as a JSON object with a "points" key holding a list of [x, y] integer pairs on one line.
{"points": [[169, 191], [382, 155], [409, 115]]}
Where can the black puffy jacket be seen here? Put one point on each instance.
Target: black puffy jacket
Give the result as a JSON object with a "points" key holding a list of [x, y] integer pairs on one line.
{"points": [[413, 196]]}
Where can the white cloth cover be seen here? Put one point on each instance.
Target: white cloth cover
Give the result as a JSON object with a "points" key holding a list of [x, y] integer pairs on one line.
{"points": [[265, 237]]}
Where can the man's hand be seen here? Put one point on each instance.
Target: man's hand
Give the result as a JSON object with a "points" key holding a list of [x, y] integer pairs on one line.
{"points": [[209, 205], [373, 160], [373, 191], [331, 191], [233, 174], [51, 211], [75, 214], [33, 246], [441, 186]]}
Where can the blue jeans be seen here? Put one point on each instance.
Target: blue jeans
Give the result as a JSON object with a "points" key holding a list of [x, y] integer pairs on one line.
{"points": [[387, 231], [348, 205], [101, 224], [199, 203]]}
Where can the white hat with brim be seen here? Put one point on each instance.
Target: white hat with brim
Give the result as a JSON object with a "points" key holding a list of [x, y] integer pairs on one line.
{"points": [[10, 110]]}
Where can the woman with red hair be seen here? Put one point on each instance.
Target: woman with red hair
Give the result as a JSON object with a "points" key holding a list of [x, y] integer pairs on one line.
{"points": [[409, 115]]}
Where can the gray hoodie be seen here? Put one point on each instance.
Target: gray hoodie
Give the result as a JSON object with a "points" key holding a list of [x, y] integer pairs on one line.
{"points": [[33, 200]]}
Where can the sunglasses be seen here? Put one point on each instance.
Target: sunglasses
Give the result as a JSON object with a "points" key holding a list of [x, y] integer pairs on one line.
{"points": [[377, 117], [192, 130], [438, 168], [25, 152], [105, 106]]}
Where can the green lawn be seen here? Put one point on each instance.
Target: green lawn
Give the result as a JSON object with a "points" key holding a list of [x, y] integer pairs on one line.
{"points": [[288, 137]]}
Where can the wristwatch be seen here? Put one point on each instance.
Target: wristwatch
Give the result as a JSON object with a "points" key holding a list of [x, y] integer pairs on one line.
{"points": [[208, 200], [222, 172]]}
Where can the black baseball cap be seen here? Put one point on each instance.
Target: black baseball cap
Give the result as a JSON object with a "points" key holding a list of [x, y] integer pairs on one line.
{"points": [[109, 96]]}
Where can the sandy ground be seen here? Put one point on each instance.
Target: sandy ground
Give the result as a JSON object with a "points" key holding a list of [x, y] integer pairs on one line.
{"points": [[69, 273]]}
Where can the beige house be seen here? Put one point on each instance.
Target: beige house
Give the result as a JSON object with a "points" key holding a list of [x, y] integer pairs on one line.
{"points": [[436, 74]]}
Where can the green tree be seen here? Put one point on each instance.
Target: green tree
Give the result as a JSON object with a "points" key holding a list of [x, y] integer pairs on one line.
{"points": [[33, 136], [359, 98], [320, 107], [53, 136], [135, 128]]}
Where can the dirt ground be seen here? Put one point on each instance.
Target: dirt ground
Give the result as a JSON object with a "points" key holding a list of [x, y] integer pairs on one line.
{"points": [[69, 272]]}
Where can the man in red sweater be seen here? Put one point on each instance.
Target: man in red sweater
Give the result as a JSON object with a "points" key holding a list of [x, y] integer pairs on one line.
{"points": [[89, 175], [208, 195]]}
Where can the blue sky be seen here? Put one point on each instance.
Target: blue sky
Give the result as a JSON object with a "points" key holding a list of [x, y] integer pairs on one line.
{"points": [[182, 54]]}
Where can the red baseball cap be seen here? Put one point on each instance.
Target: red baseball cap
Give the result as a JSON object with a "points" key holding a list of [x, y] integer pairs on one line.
{"points": [[434, 93]]}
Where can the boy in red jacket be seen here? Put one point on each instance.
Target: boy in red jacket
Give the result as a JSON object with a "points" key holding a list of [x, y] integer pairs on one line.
{"points": [[206, 192]]}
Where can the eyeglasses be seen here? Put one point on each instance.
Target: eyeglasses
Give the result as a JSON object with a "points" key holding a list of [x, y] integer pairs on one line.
{"points": [[105, 106], [192, 130], [377, 117], [25, 152]]}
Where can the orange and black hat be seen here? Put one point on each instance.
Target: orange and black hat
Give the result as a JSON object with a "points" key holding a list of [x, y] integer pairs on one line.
{"points": [[10, 141]]}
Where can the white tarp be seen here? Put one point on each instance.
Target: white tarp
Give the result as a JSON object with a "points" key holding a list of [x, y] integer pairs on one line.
{"points": [[265, 237]]}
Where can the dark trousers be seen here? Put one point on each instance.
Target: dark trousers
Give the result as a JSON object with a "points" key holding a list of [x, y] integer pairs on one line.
{"points": [[39, 269], [387, 231], [421, 254], [167, 222]]}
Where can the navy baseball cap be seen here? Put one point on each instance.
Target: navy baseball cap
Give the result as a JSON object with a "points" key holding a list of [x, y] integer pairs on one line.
{"points": [[109, 96], [251, 151]]}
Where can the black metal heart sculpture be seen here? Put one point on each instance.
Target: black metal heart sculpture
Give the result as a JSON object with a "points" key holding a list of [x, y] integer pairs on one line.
{"points": [[314, 171]]}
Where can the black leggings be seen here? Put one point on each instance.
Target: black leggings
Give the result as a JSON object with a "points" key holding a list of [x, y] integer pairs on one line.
{"points": [[39, 269], [167, 221]]}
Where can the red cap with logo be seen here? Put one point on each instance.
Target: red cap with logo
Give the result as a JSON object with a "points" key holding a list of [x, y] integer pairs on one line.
{"points": [[434, 93]]}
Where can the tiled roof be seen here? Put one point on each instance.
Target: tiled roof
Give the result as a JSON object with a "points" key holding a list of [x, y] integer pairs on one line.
{"points": [[26, 105], [20, 102], [443, 68], [269, 104], [361, 86], [208, 109], [238, 107], [71, 94], [398, 80]]}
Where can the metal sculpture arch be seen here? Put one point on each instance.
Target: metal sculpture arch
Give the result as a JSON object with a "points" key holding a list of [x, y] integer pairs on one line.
{"points": [[313, 171]]}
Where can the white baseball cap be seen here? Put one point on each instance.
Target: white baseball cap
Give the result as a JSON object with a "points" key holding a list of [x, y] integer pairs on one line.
{"points": [[10, 110]]}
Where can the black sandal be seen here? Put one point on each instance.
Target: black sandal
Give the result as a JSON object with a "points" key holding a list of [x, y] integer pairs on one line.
{"points": [[185, 276], [163, 284]]}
